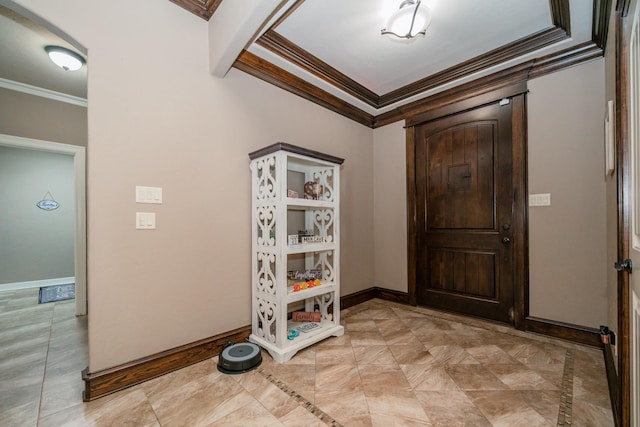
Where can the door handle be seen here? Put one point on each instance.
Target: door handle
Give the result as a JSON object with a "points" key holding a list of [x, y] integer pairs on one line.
{"points": [[625, 265], [506, 240]]}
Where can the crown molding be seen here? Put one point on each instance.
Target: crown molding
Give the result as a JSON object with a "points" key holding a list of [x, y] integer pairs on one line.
{"points": [[270, 73], [202, 8], [42, 92]]}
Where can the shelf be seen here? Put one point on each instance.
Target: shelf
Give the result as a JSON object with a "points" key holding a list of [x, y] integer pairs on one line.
{"points": [[324, 288], [310, 247], [305, 339], [277, 171], [325, 325], [304, 204]]}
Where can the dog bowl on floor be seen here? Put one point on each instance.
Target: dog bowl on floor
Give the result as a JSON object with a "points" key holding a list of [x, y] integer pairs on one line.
{"points": [[239, 358]]}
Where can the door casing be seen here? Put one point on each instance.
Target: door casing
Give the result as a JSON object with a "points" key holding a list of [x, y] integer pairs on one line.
{"points": [[516, 94]]}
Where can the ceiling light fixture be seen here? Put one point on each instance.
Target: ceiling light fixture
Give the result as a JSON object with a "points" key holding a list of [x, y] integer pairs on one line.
{"points": [[64, 58], [409, 21]]}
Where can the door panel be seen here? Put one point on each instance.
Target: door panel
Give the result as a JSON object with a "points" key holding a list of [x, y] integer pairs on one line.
{"points": [[464, 201]]}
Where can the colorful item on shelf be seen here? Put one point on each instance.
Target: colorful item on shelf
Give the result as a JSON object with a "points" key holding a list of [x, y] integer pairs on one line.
{"points": [[316, 282], [296, 287], [293, 334], [306, 316]]}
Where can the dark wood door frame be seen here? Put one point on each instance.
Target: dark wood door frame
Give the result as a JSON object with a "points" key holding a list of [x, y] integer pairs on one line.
{"points": [[620, 387], [520, 221]]}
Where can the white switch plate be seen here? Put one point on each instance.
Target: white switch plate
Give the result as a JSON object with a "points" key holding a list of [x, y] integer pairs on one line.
{"points": [[540, 199], [145, 220], [148, 194]]}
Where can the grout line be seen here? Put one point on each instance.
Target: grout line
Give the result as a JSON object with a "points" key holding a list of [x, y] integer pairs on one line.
{"points": [[305, 403], [46, 362], [566, 390]]}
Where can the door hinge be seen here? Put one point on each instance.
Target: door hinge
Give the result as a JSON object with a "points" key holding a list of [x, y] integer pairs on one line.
{"points": [[625, 265]]}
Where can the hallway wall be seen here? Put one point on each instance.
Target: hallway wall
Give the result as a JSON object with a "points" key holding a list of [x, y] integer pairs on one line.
{"points": [[35, 244]]}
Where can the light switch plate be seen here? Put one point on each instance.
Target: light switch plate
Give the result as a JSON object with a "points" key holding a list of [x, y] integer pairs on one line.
{"points": [[145, 220], [148, 194], [540, 199]]}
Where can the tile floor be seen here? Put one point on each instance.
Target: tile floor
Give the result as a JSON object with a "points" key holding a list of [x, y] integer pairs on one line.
{"points": [[395, 366]]}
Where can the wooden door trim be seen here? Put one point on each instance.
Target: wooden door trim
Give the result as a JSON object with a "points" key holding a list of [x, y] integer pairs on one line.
{"points": [[622, 402], [520, 219]]}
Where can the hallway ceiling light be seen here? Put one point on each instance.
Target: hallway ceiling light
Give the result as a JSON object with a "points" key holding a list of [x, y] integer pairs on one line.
{"points": [[409, 21], [64, 58]]}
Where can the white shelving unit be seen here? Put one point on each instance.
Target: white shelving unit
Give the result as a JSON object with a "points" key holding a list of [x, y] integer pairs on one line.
{"points": [[279, 172]]}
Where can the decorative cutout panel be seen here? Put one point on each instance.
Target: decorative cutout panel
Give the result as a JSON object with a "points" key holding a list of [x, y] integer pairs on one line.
{"points": [[266, 273], [266, 178]]}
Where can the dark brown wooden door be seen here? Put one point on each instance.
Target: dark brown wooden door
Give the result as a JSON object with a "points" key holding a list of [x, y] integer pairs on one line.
{"points": [[463, 169]]}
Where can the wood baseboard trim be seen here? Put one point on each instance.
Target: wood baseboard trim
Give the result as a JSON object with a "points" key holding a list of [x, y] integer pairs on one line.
{"points": [[359, 297], [564, 331], [107, 381], [614, 383], [102, 383], [351, 300], [391, 295]]}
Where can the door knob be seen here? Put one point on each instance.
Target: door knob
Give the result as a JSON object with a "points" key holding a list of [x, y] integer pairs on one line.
{"points": [[506, 240], [625, 265]]}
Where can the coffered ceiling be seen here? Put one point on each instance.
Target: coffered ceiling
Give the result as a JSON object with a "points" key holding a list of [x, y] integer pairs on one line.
{"points": [[331, 52]]}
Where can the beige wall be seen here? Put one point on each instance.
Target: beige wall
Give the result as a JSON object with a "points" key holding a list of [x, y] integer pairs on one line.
{"points": [[567, 240], [390, 207], [35, 117], [161, 120]]}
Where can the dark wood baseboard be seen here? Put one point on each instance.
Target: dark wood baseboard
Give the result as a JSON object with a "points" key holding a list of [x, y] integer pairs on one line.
{"points": [[102, 383], [356, 298], [351, 300], [107, 381], [614, 383], [564, 331]]}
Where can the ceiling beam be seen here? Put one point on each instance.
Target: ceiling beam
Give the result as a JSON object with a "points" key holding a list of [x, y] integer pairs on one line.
{"points": [[234, 26]]}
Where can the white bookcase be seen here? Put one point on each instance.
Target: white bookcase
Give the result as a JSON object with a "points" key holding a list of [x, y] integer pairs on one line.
{"points": [[281, 210]]}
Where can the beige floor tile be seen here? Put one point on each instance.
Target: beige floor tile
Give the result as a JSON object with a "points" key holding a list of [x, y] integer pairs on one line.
{"points": [[395, 366], [300, 417], [335, 355], [412, 354], [374, 355], [474, 377], [337, 377], [428, 377], [349, 408], [460, 411], [519, 377], [395, 403], [505, 408], [383, 377], [249, 415], [125, 408]]}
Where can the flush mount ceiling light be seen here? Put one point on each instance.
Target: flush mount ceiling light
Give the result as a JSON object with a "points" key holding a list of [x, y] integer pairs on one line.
{"points": [[409, 21], [64, 58]]}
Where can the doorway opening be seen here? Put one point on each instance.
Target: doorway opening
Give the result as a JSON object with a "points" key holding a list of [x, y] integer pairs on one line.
{"points": [[80, 233]]}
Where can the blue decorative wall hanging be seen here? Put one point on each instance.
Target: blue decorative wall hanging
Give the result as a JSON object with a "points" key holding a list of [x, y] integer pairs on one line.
{"points": [[48, 204]]}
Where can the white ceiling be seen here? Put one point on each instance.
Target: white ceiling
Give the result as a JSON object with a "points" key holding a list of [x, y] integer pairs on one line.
{"points": [[24, 60], [345, 36]]}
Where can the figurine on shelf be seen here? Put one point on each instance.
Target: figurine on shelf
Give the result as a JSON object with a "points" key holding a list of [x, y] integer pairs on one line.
{"points": [[313, 189]]}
